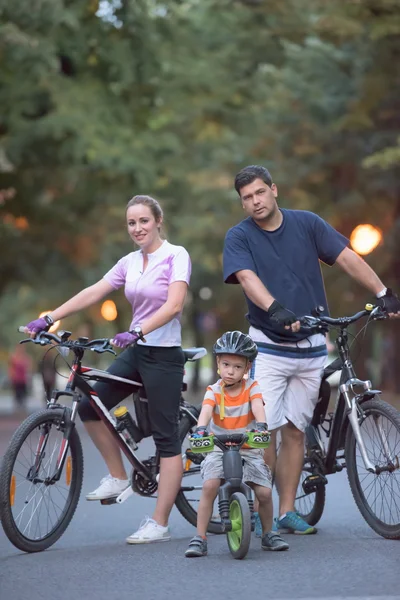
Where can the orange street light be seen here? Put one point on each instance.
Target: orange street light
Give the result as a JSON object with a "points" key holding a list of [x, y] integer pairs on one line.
{"points": [[109, 310], [55, 325], [365, 238]]}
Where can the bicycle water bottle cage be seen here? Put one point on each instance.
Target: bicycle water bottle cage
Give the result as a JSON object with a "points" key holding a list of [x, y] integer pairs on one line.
{"points": [[258, 439], [202, 444]]}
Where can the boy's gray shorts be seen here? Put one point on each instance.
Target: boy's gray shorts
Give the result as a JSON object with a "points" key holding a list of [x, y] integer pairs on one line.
{"points": [[254, 468]]}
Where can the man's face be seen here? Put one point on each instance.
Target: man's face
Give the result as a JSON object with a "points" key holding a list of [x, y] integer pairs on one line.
{"points": [[259, 200]]}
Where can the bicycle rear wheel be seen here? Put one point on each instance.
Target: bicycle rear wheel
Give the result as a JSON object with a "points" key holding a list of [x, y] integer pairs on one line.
{"points": [[377, 495], [188, 497], [309, 506], [35, 510]]}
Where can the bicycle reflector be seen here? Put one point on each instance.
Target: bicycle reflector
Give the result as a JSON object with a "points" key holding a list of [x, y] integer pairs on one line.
{"points": [[202, 444], [258, 439], [68, 471]]}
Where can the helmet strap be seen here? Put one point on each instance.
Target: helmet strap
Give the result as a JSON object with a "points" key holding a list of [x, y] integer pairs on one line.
{"points": [[222, 405]]}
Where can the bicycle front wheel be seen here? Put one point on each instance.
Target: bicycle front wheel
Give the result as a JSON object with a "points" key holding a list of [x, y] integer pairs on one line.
{"points": [[188, 497], [240, 535], [35, 508], [377, 495]]}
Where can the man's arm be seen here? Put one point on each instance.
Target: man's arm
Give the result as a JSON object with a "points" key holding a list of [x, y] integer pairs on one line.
{"points": [[256, 291], [359, 270]]}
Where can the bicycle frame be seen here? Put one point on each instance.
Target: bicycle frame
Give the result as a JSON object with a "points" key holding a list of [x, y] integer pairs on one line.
{"points": [[77, 384], [347, 407]]}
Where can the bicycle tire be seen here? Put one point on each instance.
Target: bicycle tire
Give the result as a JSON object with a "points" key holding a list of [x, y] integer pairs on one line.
{"points": [[181, 502], [383, 529], [10, 527], [313, 516], [239, 539]]}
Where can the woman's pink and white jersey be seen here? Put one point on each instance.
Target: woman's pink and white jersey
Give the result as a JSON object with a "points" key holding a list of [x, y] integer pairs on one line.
{"points": [[147, 290]]}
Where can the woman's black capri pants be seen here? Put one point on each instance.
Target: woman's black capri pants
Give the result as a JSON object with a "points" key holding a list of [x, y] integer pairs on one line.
{"points": [[161, 371]]}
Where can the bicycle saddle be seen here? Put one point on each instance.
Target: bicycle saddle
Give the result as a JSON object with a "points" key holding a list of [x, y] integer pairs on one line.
{"points": [[194, 353]]}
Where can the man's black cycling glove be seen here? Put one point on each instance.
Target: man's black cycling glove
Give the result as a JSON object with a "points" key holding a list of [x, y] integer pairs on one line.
{"points": [[281, 315], [389, 302]]}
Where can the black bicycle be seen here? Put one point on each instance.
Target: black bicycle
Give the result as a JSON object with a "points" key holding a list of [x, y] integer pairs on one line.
{"points": [[362, 435], [235, 500], [42, 470]]}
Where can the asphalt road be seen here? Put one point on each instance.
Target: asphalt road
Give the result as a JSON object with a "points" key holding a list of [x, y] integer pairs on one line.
{"points": [[345, 559]]}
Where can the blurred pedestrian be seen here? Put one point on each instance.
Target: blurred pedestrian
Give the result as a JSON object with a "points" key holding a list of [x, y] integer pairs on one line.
{"points": [[19, 374]]}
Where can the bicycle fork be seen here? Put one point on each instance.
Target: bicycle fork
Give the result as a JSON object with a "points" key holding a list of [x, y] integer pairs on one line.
{"points": [[353, 416]]}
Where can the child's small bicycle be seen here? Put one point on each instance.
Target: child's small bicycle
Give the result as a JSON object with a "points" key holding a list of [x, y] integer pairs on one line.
{"points": [[235, 500]]}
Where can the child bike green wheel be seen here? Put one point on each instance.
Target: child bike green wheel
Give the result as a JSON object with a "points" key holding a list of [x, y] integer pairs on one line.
{"points": [[240, 535]]}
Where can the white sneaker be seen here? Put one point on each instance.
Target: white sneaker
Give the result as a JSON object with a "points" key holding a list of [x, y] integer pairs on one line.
{"points": [[109, 488], [149, 531]]}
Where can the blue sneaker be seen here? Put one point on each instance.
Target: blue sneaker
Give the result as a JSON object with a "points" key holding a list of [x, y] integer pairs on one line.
{"points": [[293, 523], [258, 526]]}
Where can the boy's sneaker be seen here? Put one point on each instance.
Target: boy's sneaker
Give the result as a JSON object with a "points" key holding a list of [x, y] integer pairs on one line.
{"points": [[292, 522], [197, 547], [258, 526], [149, 531], [273, 541], [109, 488]]}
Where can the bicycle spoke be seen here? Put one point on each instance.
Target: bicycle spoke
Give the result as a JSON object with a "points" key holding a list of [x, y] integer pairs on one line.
{"points": [[381, 492], [39, 505]]}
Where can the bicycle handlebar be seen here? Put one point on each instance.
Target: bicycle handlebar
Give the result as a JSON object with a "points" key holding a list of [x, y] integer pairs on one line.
{"points": [[44, 338], [231, 438], [311, 322]]}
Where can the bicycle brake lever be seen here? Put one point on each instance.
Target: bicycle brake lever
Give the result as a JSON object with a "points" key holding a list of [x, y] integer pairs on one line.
{"points": [[378, 313], [102, 350]]}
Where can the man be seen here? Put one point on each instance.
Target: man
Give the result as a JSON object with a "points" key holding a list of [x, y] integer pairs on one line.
{"points": [[274, 255]]}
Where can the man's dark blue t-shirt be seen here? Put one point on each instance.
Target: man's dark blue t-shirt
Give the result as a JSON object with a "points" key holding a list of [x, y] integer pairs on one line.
{"points": [[287, 262]]}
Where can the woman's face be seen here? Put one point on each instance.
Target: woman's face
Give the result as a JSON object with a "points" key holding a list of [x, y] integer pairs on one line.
{"points": [[142, 226]]}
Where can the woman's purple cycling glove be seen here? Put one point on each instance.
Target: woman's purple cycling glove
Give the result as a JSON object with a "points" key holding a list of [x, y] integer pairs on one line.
{"points": [[122, 340], [37, 326]]}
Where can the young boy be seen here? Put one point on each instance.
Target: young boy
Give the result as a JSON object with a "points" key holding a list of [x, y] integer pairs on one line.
{"points": [[234, 405]]}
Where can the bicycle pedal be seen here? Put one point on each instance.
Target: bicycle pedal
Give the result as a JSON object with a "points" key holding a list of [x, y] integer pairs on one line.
{"points": [[313, 482], [107, 501], [196, 459]]}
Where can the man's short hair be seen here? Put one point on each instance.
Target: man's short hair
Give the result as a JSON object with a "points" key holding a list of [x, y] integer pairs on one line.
{"points": [[250, 174]]}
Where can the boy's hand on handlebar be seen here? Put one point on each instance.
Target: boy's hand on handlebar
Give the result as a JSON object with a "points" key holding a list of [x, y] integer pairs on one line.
{"points": [[123, 340], [200, 432], [282, 316], [390, 303], [260, 427]]}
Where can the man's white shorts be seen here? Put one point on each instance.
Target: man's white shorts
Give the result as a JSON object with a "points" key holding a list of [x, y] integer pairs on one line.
{"points": [[289, 385]]}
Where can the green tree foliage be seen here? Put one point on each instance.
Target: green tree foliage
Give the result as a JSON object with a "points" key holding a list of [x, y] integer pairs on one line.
{"points": [[102, 100]]}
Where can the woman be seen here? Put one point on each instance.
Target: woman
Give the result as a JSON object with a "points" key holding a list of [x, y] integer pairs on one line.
{"points": [[156, 279]]}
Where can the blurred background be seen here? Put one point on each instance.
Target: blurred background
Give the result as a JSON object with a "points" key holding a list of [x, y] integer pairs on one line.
{"points": [[102, 100]]}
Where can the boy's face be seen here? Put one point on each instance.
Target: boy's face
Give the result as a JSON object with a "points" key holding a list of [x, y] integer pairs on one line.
{"points": [[232, 368]]}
